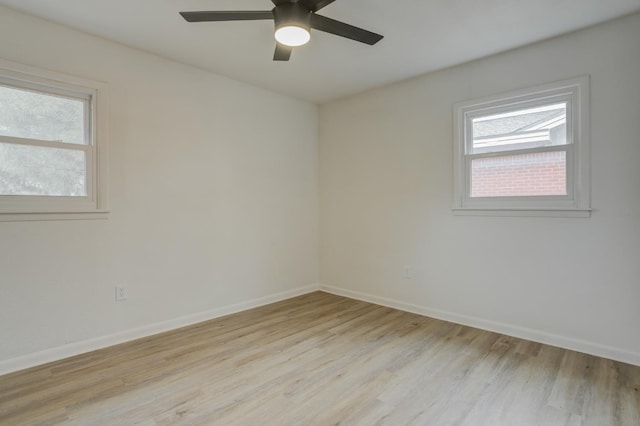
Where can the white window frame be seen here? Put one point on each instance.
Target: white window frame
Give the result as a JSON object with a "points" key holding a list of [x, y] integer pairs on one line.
{"points": [[94, 204], [577, 202]]}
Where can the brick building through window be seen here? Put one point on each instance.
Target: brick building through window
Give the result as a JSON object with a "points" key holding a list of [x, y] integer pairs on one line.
{"points": [[530, 174]]}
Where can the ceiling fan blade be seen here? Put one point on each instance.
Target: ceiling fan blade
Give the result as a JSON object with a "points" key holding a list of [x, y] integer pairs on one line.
{"points": [[279, 2], [316, 5], [231, 15], [282, 53], [328, 25]]}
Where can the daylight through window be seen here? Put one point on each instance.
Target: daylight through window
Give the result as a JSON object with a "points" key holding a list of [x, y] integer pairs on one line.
{"points": [[49, 153], [524, 151]]}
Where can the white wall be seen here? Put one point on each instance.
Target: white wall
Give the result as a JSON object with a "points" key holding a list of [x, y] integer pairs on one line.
{"points": [[213, 203], [386, 193]]}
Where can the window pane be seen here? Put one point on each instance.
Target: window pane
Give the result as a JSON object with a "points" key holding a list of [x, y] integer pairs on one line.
{"points": [[520, 129], [36, 115], [35, 170], [543, 173]]}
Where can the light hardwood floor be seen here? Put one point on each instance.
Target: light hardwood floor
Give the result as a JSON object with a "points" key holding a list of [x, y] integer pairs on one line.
{"points": [[321, 359]]}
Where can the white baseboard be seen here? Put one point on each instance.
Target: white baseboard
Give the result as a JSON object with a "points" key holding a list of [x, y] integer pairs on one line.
{"points": [[494, 326], [77, 348]]}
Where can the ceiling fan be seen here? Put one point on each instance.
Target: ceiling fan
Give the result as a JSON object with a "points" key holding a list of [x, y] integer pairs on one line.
{"points": [[293, 21]]}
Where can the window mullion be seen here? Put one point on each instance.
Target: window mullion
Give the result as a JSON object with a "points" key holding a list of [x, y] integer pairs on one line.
{"points": [[553, 148], [43, 143]]}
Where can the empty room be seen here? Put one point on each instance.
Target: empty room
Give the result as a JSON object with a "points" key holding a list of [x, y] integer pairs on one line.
{"points": [[320, 212]]}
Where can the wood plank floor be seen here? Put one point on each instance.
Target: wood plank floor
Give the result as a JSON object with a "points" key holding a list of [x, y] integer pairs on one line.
{"points": [[321, 359]]}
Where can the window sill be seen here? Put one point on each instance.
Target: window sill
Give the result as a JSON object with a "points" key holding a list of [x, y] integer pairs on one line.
{"points": [[579, 213], [29, 217]]}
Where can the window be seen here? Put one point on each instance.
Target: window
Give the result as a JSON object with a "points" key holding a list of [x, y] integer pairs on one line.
{"points": [[52, 145], [525, 152]]}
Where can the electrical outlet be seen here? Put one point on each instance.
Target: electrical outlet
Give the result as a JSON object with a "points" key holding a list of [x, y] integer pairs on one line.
{"points": [[121, 293], [407, 272]]}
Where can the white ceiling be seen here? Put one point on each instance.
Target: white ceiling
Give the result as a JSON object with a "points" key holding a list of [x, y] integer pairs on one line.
{"points": [[420, 36]]}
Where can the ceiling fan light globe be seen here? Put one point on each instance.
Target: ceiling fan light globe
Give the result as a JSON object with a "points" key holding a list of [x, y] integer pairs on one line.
{"points": [[291, 35]]}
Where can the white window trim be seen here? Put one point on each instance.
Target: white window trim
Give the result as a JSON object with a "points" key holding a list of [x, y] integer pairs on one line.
{"points": [[94, 206], [578, 202]]}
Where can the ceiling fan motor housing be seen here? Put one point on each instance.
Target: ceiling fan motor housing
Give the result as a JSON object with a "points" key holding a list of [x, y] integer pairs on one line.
{"points": [[292, 14]]}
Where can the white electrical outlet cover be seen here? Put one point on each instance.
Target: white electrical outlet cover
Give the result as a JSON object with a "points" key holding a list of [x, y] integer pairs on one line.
{"points": [[121, 293]]}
